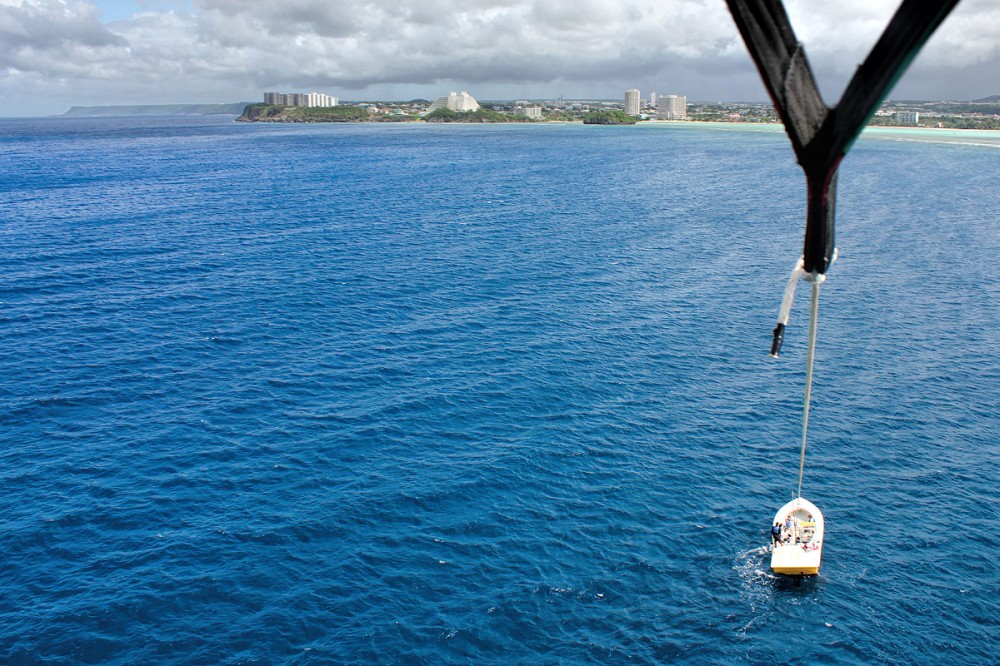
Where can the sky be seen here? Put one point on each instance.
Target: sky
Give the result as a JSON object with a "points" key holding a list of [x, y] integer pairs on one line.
{"points": [[55, 54]]}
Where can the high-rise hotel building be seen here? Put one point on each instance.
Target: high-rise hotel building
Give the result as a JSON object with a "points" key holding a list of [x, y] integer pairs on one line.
{"points": [[632, 102], [299, 99], [455, 101], [672, 107]]}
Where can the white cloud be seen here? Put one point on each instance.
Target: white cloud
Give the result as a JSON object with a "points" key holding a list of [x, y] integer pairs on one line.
{"points": [[838, 37], [970, 36], [61, 53]]}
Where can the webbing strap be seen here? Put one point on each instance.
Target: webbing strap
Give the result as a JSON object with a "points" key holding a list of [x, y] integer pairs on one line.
{"points": [[810, 356]]}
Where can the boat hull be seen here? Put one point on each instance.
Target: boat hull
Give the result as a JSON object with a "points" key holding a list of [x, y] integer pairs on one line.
{"points": [[792, 561], [800, 552]]}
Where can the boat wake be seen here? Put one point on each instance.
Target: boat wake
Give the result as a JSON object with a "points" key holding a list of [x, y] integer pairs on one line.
{"points": [[751, 566], [756, 590]]}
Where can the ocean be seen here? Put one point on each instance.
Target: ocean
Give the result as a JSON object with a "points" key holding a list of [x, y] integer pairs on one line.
{"points": [[450, 394]]}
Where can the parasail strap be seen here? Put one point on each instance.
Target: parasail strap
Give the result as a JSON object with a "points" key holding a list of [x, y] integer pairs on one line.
{"points": [[810, 356]]}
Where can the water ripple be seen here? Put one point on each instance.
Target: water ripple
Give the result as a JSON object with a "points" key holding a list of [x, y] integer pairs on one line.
{"points": [[485, 394]]}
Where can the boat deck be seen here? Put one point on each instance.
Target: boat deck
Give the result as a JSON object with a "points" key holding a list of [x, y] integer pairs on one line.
{"points": [[798, 549]]}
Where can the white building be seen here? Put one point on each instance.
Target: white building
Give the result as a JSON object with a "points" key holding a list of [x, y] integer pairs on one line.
{"points": [[632, 102], [652, 99], [462, 101], [529, 111], [300, 99], [672, 107], [320, 99], [906, 117]]}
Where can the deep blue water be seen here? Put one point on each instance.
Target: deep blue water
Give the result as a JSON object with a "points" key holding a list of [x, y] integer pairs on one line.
{"points": [[466, 394]]}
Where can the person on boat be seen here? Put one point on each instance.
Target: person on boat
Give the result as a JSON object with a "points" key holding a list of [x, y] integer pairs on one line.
{"points": [[776, 533]]}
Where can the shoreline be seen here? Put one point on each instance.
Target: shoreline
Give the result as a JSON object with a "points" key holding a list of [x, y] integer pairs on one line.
{"points": [[642, 123]]}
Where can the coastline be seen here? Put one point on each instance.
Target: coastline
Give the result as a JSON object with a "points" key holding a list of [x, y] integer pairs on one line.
{"points": [[978, 137], [870, 130], [981, 137]]}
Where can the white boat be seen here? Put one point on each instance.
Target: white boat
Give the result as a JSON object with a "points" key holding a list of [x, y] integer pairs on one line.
{"points": [[799, 549]]}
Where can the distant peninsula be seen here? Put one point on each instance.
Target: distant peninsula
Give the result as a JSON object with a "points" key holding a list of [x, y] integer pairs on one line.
{"points": [[276, 113], [234, 109]]}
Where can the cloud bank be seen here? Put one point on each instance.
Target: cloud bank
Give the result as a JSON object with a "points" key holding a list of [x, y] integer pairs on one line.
{"points": [[55, 53]]}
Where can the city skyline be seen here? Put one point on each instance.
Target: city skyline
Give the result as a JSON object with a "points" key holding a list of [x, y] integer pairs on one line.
{"points": [[55, 54]]}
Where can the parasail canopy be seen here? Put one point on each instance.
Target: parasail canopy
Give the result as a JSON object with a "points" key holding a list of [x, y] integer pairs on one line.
{"points": [[821, 135]]}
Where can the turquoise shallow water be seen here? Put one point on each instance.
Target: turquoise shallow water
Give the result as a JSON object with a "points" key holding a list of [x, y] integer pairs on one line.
{"points": [[452, 394]]}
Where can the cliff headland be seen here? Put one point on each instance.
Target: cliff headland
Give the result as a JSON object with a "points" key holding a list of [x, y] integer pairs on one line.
{"points": [[275, 113]]}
